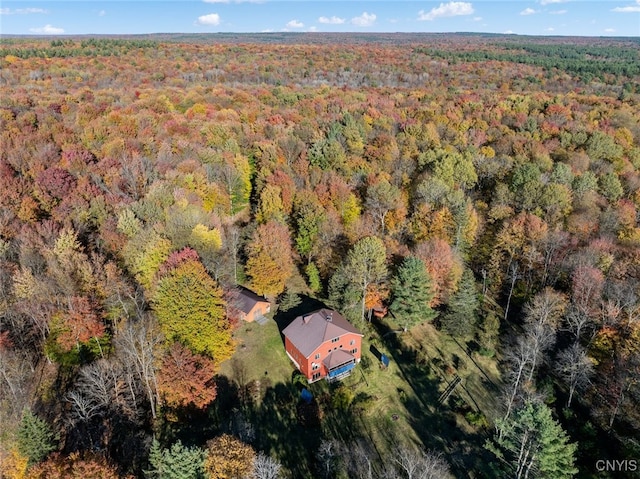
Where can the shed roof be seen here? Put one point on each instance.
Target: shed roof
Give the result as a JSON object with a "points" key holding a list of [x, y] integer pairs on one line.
{"points": [[310, 330], [247, 299]]}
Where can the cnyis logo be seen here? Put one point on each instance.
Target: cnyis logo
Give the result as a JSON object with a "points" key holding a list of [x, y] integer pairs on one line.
{"points": [[615, 465]]}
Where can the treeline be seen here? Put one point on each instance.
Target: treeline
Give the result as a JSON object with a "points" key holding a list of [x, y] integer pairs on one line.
{"points": [[90, 47], [586, 62]]}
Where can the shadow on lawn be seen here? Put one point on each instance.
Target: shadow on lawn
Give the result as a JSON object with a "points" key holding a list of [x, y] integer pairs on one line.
{"points": [[434, 424], [273, 421], [279, 433]]}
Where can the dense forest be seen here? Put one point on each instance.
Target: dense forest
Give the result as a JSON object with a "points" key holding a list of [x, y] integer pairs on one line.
{"points": [[484, 190]]}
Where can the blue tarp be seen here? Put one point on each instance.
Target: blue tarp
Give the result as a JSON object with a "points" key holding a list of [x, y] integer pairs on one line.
{"points": [[384, 360], [341, 369], [306, 395]]}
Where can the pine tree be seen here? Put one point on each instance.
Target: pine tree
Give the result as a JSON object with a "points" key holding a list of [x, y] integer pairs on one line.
{"points": [[461, 317], [412, 293], [35, 438], [489, 333], [533, 444], [176, 462]]}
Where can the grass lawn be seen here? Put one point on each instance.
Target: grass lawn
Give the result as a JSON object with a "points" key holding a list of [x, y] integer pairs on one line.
{"points": [[401, 402], [259, 354]]}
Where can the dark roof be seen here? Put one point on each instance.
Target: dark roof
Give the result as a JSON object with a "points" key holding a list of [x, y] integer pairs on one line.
{"points": [[338, 358], [310, 330], [247, 299]]}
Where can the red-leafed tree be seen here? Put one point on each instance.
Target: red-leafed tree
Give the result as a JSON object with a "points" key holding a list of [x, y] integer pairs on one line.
{"points": [[55, 184], [443, 265], [186, 378], [79, 324]]}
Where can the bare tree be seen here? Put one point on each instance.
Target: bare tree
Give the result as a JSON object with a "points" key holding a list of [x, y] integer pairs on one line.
{"points": [[513, 273], [137, 344], [578, 323], [359, 463], [15, 375], [265, 467], [542, 319], [83, 408], [327, 457], [518, 358], [575, 368], [419, 464], [103, 384]]}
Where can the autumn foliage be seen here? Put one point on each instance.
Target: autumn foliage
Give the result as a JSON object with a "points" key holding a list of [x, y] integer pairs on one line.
{"points": [[143, 179], [186, 378]]}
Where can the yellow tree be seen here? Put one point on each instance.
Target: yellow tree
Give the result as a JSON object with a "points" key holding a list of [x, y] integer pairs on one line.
{"points": [[270, 262], [190, 309], [228, 458]]}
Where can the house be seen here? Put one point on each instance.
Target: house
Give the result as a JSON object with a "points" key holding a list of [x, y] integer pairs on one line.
{"points": [[250, 306], [322, 344]]}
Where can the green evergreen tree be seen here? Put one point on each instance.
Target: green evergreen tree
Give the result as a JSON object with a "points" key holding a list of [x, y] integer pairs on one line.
{"points": [[313, 276], [35, 438], [308, 217], [412, 292], [461, 317], [176, 462], [533, 444], [288, 300], [344, 296], [488, 334]]}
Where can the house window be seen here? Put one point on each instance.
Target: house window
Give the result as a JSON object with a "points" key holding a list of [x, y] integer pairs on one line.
{"points": [[318, 356], [354, 350], [335, 340], [352, 342], [315, 377], [315, 366]]}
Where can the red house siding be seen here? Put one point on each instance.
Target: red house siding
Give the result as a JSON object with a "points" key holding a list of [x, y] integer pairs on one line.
{"points": [[349, 342]]}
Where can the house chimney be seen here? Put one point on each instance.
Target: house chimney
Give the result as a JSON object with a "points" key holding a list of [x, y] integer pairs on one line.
{"points": [[306, 318], [330, 317]]}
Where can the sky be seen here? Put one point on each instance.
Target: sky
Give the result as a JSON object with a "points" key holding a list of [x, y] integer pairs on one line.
{"points": [[522, 17]]}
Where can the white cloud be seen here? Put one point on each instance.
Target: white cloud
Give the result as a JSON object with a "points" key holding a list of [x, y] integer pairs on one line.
{"points": [[211, 19], [451, 9], [364, 20], [558, 12], [295, 24], [21, 11], [509, 32], [102, 13], [549, 2], [331, 20], [528, 11], [628, 9], [313, 29], [47, 30], [551, 29], [477, 19], [609, 30]]}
